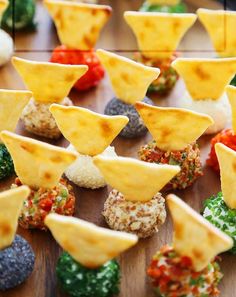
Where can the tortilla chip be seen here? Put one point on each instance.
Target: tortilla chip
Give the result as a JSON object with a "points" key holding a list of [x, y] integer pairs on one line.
{"points": [[136, 180], [12, 104], [220, 25], [78, 24], [163, 2], [227, 162], [11, 202], [49, 82], [173, 128], [89, 132], [231, 93], [88, 244], [194, 236], [3, 6], [36, 163], [159, 34], [205, 78], [130, 80]]}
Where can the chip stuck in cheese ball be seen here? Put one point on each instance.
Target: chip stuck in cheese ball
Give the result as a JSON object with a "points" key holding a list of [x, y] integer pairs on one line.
{"points": [[135, 204]]}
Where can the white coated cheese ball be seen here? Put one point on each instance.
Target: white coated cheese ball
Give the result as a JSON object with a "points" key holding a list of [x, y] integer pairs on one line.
{"points": [[219, 110], [6, 47], [84, 173]]}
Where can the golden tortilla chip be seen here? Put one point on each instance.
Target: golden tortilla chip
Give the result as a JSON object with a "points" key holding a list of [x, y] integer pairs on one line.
{"points": [[173, 128], [231, 93], [88, 244], [136, 180], [12, 104], [159, 34], [163, 2], [130, 80], [78, 24], [205, 78], [36, 163], [49, 82], [227, 161], [11, 202], [194, 236], [220, 25], [3, 6], [89, 132]]}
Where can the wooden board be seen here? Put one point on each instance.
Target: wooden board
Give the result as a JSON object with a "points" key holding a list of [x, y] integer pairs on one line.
{"points": [[89, 204]]}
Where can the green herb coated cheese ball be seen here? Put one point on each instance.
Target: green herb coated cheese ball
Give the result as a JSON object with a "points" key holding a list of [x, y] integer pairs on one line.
{"points": [[178, 8], [220, 215], [79, 281], [6, 163]]}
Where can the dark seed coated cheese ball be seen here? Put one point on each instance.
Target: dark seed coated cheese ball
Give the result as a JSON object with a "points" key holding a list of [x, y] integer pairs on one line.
{"points": [[16, 263]]}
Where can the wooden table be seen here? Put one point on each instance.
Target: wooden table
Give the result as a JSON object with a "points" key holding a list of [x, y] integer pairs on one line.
{"points": [[89, 204]]}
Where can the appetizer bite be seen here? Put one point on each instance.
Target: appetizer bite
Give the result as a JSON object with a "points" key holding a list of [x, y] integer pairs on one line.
{"points": [[11, 105], [90, 134], [158, 36], [220, 209], [226, 136], [220, 26], [40, 166], [19, 15], [205, 81], [135, 205], [130, 81], [6, 42], [87, 267], [16, 255], [78, 27], [174, 133], [171, 6], [49, 83], [189, 266]]}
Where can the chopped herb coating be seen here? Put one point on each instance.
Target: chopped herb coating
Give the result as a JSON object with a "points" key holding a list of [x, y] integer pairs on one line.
{"points": [[79, 281], [178, 8], [220, 215], [6, 163], [233, 81], [188, 160], [173, 276]]}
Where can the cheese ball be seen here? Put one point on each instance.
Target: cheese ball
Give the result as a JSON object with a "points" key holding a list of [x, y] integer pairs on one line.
{"points": [[16, 263], [84, 173], [219, 110], [6, 47], [140, 218], [79, 281], [188, 159], [38, 119], [178, 8], [219, 214], [172, 275], [41, 202], [135, 126], [6, 163]]}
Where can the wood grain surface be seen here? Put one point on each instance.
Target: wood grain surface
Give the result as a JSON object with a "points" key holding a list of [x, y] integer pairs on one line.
{"points": [[89, 203]]}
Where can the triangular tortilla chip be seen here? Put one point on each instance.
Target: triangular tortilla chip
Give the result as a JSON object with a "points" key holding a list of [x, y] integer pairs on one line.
{"points": [[194, 236], [89, 132], [36, 163], [78, 24], [3, 6], [231, 93], [173, 128], [12, 104], [227, 162], [158, 34], [90, 245], [163, 2], [205, 78], [220, 25], [136, 180], [11, 202], [49, 82], [130, 80]]}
